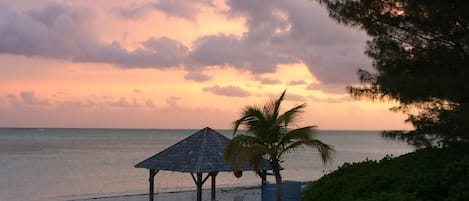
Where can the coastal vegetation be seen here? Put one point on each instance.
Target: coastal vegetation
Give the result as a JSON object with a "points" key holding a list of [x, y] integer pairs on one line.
{"points": [[431, 174], [268, 135], [420, 54]]}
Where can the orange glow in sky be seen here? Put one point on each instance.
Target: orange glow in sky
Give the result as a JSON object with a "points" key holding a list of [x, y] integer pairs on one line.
{"points": [[138, 64]]}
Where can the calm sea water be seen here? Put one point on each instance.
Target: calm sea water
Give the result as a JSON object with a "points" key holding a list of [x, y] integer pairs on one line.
{"points": [[64, 164]]}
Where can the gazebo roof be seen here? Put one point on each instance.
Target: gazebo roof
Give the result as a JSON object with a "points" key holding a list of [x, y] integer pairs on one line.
{"points": [[202, 152]]}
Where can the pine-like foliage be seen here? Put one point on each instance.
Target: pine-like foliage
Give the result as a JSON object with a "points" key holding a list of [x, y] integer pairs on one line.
{"points": [[420, 50]]}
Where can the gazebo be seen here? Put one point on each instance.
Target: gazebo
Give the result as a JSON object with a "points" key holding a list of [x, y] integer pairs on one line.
{"points": [[201, 153]]}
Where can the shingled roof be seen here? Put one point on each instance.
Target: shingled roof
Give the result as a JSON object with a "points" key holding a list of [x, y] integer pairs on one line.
{"points": [[202, 152]]}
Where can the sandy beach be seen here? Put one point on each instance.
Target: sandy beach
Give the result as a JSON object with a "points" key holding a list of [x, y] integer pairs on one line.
{"points": [[223, 194]]}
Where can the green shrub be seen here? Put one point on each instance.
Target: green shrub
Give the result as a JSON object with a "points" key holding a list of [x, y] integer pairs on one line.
{"points": [[425, 175]]}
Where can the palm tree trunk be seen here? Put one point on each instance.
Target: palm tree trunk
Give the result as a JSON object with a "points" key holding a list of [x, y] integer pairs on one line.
{"points": [[278, 179]]}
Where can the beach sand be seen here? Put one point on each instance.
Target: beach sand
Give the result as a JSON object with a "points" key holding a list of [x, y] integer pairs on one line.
{"points": [[223, 194]]}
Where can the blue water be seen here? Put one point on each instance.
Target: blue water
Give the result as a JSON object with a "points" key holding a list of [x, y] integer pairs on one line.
{"points": [[64, 164]]}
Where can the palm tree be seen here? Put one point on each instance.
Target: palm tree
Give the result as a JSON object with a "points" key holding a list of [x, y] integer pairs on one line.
{"points": [[268, 136]]}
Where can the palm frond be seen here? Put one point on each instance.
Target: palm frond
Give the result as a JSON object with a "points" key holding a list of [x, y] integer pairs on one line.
{"points": [[291, 115], [271, 109], [240, 142], [250, 116], [303, 133], [245, 148], [268, 135], [277, 104], [325, 150], [292, 147]]}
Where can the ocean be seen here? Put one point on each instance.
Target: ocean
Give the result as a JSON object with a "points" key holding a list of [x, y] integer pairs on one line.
{"points": [[65, 164]]}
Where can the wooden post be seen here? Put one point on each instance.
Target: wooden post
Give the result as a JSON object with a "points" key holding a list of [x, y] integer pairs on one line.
{"points": [[199, 182], [214, 174], [199, 186], [152, 184], [263, 177], [263, 182]]}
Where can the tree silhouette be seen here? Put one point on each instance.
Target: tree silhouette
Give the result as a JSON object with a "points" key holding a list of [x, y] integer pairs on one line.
{"points": [[268, 135], [420, 51]]}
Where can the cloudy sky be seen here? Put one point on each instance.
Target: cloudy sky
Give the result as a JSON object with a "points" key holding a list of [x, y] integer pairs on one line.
{"points": [[178, 64]]}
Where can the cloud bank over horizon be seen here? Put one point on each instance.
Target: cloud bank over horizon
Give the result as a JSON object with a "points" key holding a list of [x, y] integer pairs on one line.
{"points": [[166, 64], [277, 32]]}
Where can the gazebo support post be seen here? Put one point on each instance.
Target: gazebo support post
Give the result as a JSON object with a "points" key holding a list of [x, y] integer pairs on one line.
{"points": [[199, 182], [263, 176], [199, 186], [213, 174], [152, 184]]}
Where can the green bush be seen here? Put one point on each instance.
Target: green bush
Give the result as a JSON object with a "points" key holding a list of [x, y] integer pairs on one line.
{"points": [[430, 174]]}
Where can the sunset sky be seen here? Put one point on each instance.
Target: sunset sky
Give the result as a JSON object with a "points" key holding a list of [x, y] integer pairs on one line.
{"points": [[178, 64]]}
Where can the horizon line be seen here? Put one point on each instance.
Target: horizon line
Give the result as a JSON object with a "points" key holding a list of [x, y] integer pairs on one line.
{"points": [[124, 128]]}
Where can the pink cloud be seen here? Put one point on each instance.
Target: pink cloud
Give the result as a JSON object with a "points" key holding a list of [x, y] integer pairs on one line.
{"points": [[26, 98], [76, 105], [30, 98], [188, 10], [13, 100], [197, 76], [76, 114], [277, 32], [232, 91], [173, 101], [296, 82], [122, 102], [264, 80], [328, 88], [289, 97], [331, 100], [149, 103]]}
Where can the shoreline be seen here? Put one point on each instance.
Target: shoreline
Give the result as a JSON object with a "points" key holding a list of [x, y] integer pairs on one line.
{"points": [[249, 193]]}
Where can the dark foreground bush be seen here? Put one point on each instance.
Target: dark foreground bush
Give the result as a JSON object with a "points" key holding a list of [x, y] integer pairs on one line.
{"points": [[425, 175]]}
